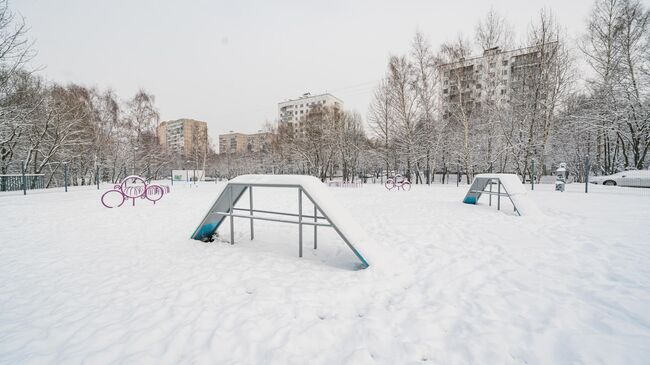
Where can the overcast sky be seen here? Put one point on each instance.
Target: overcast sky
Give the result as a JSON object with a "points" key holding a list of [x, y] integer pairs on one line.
{"points": [[230, 63]]}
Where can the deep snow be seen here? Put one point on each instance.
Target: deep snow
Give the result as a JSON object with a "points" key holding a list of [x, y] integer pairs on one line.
{"points": [[82, 283]]}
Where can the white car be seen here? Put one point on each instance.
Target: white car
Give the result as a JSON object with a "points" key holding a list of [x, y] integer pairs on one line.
{"points": [[635, 178]]}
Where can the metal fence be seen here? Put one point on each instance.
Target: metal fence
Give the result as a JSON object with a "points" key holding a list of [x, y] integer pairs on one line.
{"points": [[20, 182]]}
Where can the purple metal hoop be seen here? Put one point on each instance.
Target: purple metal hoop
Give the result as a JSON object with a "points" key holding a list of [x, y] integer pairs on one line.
{"points": [[142, 190]]}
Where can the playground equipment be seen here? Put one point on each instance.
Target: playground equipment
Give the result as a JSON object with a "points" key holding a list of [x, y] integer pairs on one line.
{"points": [[398, 181], [561, 176], [133, 187], [326, 213], [507, 185]]}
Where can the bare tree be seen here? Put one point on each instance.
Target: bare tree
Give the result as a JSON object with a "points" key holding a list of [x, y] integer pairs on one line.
{"points": [[493, 31], [425, 83], [382, 123], [404, 104]]}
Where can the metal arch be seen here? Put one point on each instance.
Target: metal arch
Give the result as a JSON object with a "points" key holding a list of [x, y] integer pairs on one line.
{"points": [[499, 194], [199, 234]]}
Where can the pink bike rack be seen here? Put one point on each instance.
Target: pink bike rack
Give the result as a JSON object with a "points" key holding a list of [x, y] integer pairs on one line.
{"points": [[133, 187], [398, 181]]}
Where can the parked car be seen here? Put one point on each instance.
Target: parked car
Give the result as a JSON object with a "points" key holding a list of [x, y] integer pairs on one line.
{"points": [[635, 178]]}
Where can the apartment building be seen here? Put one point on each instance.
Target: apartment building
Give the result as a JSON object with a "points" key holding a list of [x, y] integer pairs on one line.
{"points": [[293, 111], [495, 77], [234, 142], [183, 135]]}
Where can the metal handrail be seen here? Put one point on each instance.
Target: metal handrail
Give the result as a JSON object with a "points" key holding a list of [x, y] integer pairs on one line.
{"points": [[280, 213], [273, 219]]}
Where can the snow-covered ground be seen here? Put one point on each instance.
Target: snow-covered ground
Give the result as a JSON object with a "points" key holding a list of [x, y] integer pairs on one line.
{"points": [[82, 283]]}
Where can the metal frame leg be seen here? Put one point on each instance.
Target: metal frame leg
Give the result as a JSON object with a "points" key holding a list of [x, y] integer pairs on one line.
{"points": [[490, 192], [250, 194], [232, 218], [299, 222], [499, 195], [315, 227]]}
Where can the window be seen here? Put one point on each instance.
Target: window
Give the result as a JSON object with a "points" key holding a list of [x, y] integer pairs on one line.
{"points": [[478, 86], [505, 62], [505, 72], [445, 91], [503, 91]]}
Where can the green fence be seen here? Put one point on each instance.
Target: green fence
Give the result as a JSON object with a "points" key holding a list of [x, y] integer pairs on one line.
{"points": [[15, 182]]}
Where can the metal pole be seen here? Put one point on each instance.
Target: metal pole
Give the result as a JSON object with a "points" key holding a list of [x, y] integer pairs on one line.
{"points": [[532, 176], [65, 176], [172, 176], [232, 218], [490, 192], [22, 170], [499, 195], [97, 177], [250, 194], [315, 228], [586, 173], [299, 222], [457, 174]]}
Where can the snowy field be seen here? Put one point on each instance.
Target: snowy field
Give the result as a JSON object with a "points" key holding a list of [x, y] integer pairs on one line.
{"points": [[80, 283]]}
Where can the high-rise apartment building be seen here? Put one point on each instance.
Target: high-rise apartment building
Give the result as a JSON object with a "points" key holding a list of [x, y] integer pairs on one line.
{"points": [[240, 142], [495, 77], [293, 111], [183, 135]]}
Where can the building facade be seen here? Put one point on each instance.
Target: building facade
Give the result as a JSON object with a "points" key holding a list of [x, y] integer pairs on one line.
{"points": [[497, 77], [293, 111], [241, 143], [183, 135]]}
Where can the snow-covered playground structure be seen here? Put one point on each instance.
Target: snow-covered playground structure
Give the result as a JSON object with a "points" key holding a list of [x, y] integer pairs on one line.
{"points": [[326, 212], [507, 185]]}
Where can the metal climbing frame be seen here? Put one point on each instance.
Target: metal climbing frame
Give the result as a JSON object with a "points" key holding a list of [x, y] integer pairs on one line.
{"points": [[318, 216], [490, 182]]}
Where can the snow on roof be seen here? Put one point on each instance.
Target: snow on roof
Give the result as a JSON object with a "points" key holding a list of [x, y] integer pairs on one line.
{"points": [[511, 182]]}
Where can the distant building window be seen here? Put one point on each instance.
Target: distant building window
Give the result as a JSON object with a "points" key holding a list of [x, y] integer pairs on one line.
{"points": [[503, 91], [505, 62], [445, 91]]}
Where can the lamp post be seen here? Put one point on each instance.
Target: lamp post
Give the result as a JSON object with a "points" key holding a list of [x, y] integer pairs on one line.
{"points": [[65, 176], [187, 173]]}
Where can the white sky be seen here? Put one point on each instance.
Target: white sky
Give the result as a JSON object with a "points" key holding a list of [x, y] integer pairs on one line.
{"points": [[230, 63]]}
